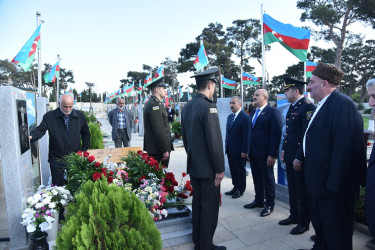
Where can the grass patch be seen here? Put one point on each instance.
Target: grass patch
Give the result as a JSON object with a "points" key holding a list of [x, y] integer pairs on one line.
{"points": [[365, 121]]}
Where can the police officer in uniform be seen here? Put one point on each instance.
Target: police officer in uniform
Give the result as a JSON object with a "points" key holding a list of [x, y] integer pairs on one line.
{"points": [[157, 138], [297, 119], [205, 158]]}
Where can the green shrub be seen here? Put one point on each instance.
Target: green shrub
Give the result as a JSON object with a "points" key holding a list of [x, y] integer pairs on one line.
{"points": [[108, 217], [87, 116], [360, 106], [176, 128], [92, 118], [368, 111], [96, 139]]}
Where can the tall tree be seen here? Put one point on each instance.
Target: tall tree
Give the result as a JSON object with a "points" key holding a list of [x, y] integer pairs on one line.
{"points": [[334, 17]]}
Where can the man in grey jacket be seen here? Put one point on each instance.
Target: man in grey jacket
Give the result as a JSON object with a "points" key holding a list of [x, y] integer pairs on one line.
{"points": [[121, 122]]}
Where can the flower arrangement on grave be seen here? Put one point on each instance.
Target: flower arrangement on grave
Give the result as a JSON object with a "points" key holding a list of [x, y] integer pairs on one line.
{"points": [[42, 208], [185, 189]]}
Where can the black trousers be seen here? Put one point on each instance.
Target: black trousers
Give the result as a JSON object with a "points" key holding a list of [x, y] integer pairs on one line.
{"points": [[122, 138], [238, 172], [333, 219], [205, 206], [159, 156], [57, 171], [299, 209], [264, 181]]}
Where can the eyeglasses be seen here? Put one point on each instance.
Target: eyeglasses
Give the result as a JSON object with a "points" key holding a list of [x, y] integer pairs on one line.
{"points": [[232, 103]]}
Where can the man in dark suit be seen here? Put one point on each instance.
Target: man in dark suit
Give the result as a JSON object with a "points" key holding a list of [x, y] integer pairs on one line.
{"points": [[236, 146], [157, 140], [205, 158], [297, 118], [370, 184], [171, 113], [334, 160], [121, 121], [264, 140]]}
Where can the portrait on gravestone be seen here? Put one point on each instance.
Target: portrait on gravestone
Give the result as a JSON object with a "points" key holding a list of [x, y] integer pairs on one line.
{"points": [[22, 126], [31, 118]]}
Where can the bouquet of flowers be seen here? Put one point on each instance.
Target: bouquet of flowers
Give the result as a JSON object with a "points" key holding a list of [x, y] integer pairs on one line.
{"points": [[152, 195], [42, 208], [185, 189]]}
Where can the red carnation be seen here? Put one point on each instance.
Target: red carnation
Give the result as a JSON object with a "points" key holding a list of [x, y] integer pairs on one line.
{"points": [[86, 154], [140, 152], [163, 166], [104, 170], [183, 174], [91, 158], [182, 195], [142, 178], [79, 153], [96, 176], [97, 164], [110, 179], [111, 173], [104, 173], [171, 189], [175, 183]]}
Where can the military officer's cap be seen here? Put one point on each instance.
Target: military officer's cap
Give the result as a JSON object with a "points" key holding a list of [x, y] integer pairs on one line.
{"points": [[289, 82], [157, 83], [209, 74]]}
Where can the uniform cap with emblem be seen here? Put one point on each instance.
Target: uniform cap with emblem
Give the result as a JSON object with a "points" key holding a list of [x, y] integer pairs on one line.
{"points": [[210, 74], [157, 83], [290, 82]]}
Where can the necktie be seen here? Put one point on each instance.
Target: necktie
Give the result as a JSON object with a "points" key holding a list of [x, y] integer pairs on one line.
{"points": [[256, 116], [232, 120]]}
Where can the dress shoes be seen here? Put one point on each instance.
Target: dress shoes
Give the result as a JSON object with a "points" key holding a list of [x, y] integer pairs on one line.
{"points": [[288, 221], [231, 192], [254, 204], [220, 247], [237, 194], [299, 229], [267, 210]]}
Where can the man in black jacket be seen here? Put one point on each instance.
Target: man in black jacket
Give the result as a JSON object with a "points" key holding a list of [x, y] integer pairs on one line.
{"points": [[205, 158], [66, 127]]}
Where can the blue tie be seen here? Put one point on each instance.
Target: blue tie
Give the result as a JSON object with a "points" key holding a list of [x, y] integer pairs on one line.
{"points": [[256, 116], [232, 120]]}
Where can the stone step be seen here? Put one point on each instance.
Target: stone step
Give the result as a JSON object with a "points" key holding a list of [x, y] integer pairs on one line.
{"points": [[177, 238], [174, 225]]}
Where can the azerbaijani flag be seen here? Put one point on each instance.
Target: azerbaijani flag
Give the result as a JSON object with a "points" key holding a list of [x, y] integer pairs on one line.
{"points": [[159, 73], [69, 91], [166, 101], [53, 73], [295, 40], [148, 80], [201, 61], [26, 56], [248, 79], [112, 96], [188, 92], [139, 88], [228, 84], [145, 100], [129, 90], [180, 90], [80, 95], [310, 66]]}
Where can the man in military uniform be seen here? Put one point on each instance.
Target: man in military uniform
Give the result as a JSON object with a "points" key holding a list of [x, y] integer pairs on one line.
{"points": [[157, 138], [205, 158], [297, 118]]}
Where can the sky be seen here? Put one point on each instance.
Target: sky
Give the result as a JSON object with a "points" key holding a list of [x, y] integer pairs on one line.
{"points": [[100, 41]]}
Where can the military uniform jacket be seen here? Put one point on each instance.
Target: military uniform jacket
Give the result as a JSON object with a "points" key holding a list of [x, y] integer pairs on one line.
{"points": [[157, 137], [297, 119], [202, 138]]}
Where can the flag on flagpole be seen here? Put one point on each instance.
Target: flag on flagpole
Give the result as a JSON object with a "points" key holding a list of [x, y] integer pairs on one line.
{"points": [[69, 91], [228, 84], [310, 66], [26, 56], [148, 80], [159, 73], [139, 88], [294, 39], [129, 90], [53, 73], [180, 90], [166, 101], [80, 95], [188, 92], [145, 100], [201, 60], [248, 79]]}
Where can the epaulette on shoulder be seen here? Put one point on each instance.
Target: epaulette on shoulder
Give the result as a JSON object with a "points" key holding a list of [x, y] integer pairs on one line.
{"points": [[307, 101]]}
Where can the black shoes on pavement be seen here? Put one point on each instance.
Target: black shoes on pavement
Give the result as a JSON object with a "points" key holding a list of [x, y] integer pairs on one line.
{"points": [[254, 204], [299, 229], [267, 210], [235, 193], [231, 192], [288, 221]]}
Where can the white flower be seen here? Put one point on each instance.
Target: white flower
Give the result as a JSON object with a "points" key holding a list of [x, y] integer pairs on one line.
{"points": [[29, 199], [38, 205], [30, 228], [52, 205], [54, 192], [63, 202], [65, 196], [49, 219], [45, 226]]}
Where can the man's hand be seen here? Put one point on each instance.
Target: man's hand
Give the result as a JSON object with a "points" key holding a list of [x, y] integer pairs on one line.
{"points": [[271, 161], [282, 157], [30, 137], [165, 156], [243, 155], [218, 179], [297, 165]]}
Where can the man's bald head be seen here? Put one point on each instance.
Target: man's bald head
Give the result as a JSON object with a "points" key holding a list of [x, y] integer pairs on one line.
{"points": [[66, 104]]}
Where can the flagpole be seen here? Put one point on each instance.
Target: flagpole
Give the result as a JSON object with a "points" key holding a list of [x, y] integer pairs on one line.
{"points": [[241, 85], [39, 59], [221, 85], [304, 74], [263, 51], [57, 85]]}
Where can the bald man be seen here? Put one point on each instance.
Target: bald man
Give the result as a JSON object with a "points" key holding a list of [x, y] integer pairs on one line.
{"points": [[66, 127], [264, 141]]}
